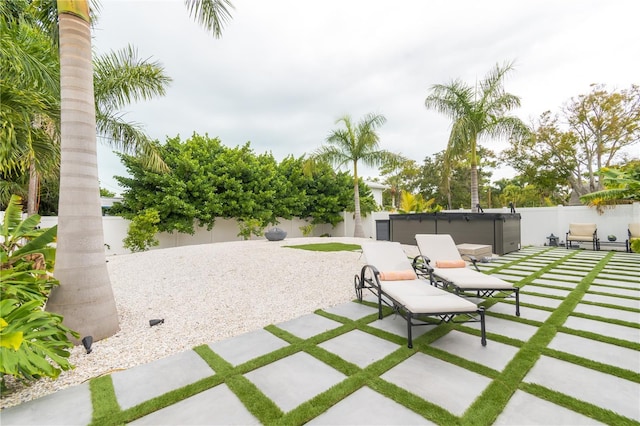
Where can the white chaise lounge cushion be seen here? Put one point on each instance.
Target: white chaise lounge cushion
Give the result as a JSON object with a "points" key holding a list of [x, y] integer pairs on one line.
{"points": [[417, 296], [442, 247], [471, 280]]}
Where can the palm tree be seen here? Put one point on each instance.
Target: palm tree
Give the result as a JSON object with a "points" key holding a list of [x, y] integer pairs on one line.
{"points": [[351, 145], [30, 107], [32, 82], [476, 112], [85, 297]]}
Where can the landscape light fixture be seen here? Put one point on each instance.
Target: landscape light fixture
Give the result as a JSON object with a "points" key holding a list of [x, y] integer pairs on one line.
{"points": [[155, 322], [86, 342]]}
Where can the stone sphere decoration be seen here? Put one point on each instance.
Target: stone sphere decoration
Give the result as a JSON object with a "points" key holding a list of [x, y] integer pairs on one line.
{"points": [[611, 237], [275, 234]]}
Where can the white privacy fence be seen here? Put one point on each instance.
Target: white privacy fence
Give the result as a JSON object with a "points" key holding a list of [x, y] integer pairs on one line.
{"points": [[537, 224]]}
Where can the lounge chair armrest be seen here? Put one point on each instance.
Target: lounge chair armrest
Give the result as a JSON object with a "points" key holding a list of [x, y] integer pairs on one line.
{"points": [[473, 260], [371, 275], [421, 264]]}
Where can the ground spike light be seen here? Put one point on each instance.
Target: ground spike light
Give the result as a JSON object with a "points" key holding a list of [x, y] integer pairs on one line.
{"points": [[86, 342]]}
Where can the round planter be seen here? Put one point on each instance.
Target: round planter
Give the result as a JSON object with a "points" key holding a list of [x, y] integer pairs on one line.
{"points": [[275, 234]]}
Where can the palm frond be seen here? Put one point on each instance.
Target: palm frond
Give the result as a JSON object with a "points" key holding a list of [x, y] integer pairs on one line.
{"points": [[211, 14]]}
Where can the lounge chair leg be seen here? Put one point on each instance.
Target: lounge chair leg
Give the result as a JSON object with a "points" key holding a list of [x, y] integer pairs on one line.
{"points": [[379, 304], [409, 337], [517, 301], [483, 333]]}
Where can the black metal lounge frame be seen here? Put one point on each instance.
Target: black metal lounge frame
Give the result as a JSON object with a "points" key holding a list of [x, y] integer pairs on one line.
{"points": [[369, 279], [421, 264]]}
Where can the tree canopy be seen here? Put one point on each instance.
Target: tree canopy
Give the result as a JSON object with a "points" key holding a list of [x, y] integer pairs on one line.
{"points": [[209, 180]]}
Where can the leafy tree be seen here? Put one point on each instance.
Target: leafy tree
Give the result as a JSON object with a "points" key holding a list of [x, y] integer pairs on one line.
{"points": [[208, 180], [603, 124], [476, 112], [400, 174], [599, 127], [89, 309], [622, 186], [29, 91], [351, 145], [120, 78], [142, 231], [106, 193]]}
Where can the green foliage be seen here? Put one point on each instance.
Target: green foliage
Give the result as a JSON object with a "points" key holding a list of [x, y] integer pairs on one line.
{"points": [[568, 149], [622, 185], [250, 227], [33, 343], [307, 229], [106, 193], [208, 180], [410, 203], [142, 231]]}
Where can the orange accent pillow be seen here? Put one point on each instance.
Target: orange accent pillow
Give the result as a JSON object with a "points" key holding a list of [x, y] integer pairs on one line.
{"points": [[451, 264], [398, 275]]}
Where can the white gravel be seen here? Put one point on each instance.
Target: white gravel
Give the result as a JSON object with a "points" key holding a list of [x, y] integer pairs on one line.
{"points": [[205, 293]]}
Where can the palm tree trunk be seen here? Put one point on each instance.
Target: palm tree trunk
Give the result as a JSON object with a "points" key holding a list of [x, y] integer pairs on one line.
{"points": [[84, 297], [32, 197], [475, 200], [359, 230]]}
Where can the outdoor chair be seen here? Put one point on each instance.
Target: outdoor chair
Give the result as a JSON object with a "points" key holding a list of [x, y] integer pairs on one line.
{"points": [[389, 275], [583, 232], [446, 268], [634, 234]]}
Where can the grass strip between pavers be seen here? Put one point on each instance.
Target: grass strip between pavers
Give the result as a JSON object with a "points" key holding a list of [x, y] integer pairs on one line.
{"points": [[484, 410]]}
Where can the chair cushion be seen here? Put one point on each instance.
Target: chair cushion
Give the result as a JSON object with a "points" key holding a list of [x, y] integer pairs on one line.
{"points": [[407, 274], [582, 230], [634, 229], [451, 264], [468, 279]]}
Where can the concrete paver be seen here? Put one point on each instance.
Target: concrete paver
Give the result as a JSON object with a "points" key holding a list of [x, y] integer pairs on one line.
{"points": [[526, 409], [71, 406], [367, 407], [600, 389], [605, 353], [359, 348], [309, 325], [245, 347], [495, 355], [139, 384], [291, 381], [215, 406], [431, 379]]}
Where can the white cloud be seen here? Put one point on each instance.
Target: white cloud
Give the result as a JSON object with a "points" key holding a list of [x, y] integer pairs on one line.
{"points": [[285, 70]]}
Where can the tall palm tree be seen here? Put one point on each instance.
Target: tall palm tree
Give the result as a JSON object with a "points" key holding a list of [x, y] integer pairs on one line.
{"points": [[351, 145], [85, 297], [476, 112]]}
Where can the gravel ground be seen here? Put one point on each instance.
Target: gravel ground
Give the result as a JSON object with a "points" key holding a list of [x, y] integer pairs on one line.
{"points": [[205, 293]]}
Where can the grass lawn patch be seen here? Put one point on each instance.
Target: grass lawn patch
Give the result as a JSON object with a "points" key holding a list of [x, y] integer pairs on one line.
{"points": [[328, 247]]}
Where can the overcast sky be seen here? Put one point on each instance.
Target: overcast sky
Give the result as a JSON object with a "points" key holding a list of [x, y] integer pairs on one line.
{"points": [[286, 70]]}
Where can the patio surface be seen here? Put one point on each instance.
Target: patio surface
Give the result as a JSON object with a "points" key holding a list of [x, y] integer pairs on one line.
{"points": [[573, 357]]}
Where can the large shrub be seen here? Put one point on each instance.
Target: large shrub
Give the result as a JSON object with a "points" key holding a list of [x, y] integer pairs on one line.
{"points": [[33, 342]]}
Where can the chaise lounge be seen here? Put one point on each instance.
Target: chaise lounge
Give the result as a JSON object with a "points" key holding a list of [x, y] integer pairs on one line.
{"points": [[389, 275], [583, 232], [446, 268]]}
